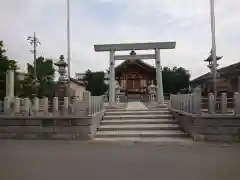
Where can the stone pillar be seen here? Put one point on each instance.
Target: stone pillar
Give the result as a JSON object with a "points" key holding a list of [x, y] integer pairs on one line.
{"points": [[224, 108], [197, 101], [36, 106], [10, 84], [55, 106], [7, 106], [26, 106], [87, 102], [112, 79], [237, 103], [16, 107], [160, 96], [45, 106], [65, 105], [211, 103], [7, 84]]}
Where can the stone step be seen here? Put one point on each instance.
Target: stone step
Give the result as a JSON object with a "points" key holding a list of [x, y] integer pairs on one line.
{"points": [[156, 133], [146, 140], [136, 112], [139, 121], [139, 116], [133, 127]]}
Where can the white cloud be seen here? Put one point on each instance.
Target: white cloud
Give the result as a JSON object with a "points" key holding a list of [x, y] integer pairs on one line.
{"points": [[111, 21]]}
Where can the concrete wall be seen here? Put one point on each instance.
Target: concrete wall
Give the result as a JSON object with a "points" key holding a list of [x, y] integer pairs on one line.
{"points": [[78, 89], [210, 127], [50, 128]]}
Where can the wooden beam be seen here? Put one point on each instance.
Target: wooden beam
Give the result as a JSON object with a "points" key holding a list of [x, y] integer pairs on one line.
{"points": [[134, 57]]}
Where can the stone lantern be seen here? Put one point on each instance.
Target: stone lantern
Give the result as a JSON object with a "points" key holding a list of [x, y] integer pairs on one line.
{"points": [[61, 86], [152, 91], [61, 64], [210, 62]]}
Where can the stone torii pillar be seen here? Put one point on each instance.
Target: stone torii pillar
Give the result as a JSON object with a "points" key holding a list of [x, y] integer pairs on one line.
{"points": [[112, 93], [160, 96], [130, 47]]}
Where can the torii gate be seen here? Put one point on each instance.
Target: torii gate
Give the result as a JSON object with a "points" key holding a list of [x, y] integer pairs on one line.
{"points": [[135, 46]]}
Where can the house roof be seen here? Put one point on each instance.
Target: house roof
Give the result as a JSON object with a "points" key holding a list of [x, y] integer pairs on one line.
{"points": [[138, 62], [233, 68], [78, 82]]}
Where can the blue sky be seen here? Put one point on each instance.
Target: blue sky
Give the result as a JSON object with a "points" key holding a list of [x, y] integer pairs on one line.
{"points": [[117, 21]]}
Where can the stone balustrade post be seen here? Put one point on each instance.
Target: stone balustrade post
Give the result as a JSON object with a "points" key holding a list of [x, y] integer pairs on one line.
{"points": [[55, 106], [94, 104], [36, 106], [7, 106], [102, 103], [16, 107], [170, 101], [211, 103], [45, 106], [182, 103], [65, 105], [87, 102], [223, 105], [185, 103], [237, 103], [26, 106], [98, 103], [75, 105], [197, 101], [190, 103]]}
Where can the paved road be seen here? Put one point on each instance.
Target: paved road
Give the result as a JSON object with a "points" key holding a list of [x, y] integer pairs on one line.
{"points": [[136, 106], [61, 160]]}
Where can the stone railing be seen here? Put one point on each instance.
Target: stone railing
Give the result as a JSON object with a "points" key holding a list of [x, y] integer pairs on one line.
{"points": [[189, 103], [67, 120], [89, 105], [193, 103], [213, 124]]}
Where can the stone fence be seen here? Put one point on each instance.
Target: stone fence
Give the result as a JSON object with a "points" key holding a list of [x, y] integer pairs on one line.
{"points": [[79, 119], [89, 105], [222, 124]]}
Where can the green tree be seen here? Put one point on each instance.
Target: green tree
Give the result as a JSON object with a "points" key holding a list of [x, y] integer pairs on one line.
{"points": [[5, 65], [95, 82], [45, 76], [175, 79]]}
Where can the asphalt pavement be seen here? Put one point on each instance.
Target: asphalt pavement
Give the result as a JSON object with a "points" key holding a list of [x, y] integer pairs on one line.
{"points": [[73, 160]]}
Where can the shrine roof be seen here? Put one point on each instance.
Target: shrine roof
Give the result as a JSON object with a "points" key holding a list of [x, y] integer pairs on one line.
{"points": [[137, 62]]}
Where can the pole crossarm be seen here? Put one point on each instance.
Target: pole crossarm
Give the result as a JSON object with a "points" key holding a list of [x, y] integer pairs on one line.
{"points": [[135, 46], [134, 57]]}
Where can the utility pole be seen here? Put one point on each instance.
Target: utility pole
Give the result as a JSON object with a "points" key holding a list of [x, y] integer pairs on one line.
{"points": [[68, 48], [34, 42], [213, 51]]}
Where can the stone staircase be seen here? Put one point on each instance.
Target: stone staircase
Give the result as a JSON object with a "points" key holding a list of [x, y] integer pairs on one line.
{"points": [[139, 125]]}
